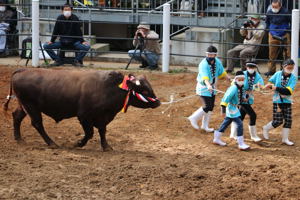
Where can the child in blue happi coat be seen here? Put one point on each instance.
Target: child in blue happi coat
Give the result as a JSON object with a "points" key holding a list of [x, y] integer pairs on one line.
{"points": [[283, 84], [210, 70], [252, 80], [230, 105]]}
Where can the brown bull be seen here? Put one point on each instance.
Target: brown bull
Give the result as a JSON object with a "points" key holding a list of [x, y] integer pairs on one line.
{"points": [[94, 97]]}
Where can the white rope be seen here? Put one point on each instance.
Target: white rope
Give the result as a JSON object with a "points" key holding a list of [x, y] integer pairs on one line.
{"points": [[182, 99], [172, 99], [188, 97]]}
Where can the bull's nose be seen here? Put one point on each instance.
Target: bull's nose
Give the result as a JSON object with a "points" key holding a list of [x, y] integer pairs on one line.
{"points": [[156, 104]]}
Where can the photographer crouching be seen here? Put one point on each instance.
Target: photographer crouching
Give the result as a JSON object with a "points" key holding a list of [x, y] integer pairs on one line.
{"points": [[253, 32], [146, 47]]}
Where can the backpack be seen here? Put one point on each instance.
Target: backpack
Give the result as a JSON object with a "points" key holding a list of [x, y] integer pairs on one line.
{"points": [[26, 48]]}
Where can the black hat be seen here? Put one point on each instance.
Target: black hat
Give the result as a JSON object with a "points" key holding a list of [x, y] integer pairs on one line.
{"points": [[65, 5], [239, 73], [211, 49], [288, 62], [251, 63]]}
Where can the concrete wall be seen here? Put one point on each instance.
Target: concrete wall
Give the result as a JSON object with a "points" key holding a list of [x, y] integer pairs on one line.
{"points": [[207, 35]]}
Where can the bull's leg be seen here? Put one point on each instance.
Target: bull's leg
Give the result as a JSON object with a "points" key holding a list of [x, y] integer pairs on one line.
{"points": [[18, 116], [37, 123], [104, 144], [88, 131]]}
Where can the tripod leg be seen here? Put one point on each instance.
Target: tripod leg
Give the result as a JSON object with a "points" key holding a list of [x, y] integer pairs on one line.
{"points": [[137, 46], [128, 63], [43, 53]]}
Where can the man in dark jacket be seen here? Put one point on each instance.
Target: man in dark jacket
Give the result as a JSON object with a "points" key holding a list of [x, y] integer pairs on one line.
{"points": [[68, 29], [289, 4], [278, 23]]}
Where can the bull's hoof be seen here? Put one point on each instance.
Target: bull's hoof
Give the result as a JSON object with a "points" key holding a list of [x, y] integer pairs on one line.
{"points": [[20, 141], [107, 148], [78, 144]]}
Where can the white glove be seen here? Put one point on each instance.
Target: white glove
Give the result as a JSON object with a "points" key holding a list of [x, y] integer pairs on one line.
{"points": [[210, 88]]}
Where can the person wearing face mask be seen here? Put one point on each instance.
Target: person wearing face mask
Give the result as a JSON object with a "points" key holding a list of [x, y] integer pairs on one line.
{"points": [[278, 23], [8, 23], [253, 32], [283, 84], [68, 29], [210, 70], [289, 4], [252, 80], [230, 103]]}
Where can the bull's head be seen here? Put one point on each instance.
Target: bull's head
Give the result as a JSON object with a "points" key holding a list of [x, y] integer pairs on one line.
{"points": [[142, 95]]}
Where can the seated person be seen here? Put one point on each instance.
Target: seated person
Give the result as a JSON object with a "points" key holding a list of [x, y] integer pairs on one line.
{"points": [[147, 47], [8, 23], [70, 36], [253, 32]]}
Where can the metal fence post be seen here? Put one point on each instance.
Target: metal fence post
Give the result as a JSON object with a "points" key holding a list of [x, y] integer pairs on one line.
{"points": [[35, 33], [166, 38], [295, 39]]}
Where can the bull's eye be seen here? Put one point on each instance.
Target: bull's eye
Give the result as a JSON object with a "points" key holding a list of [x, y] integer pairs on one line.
{"points": [[145, 92]]}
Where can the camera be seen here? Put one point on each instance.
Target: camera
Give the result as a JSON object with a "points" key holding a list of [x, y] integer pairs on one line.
{"points": [[248, 23], [139, 35], [140, 40]]}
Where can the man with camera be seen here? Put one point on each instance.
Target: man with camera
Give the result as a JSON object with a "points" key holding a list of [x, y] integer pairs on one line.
{"points": [[253, 32], [278, 22], [146, 47]]}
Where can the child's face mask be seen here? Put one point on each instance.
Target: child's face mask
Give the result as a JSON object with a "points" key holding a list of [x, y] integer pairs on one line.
{"points": [[289, 69], [251, 71], [240, 83]]}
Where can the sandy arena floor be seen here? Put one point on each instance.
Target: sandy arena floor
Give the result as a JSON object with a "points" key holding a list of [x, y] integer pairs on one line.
{"points": [[156, 155]]}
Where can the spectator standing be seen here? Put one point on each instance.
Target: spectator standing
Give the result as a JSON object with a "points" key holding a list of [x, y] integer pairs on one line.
{"points": [[278, 24], [289, 4]]}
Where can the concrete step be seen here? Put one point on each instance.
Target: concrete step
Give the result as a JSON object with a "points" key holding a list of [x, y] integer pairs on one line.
{"points": [[97, 48], [113, 57]]}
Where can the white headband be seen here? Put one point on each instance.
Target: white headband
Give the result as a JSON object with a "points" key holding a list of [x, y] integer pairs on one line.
{"points": [[239, 76], [251, 64], [211, 52], [287, 65]]}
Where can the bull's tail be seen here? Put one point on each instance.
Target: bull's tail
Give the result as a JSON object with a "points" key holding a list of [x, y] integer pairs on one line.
{"points": [[8, 98]]}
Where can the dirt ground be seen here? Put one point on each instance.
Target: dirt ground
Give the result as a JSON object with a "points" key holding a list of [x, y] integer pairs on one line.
{"points": [[157, 155]]}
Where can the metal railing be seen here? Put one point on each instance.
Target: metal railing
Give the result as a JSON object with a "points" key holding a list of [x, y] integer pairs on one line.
{"points": [[232, 23]]}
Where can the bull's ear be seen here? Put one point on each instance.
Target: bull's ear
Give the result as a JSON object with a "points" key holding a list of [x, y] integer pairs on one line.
{"points": [[130, 84], [133, 84], [131, 77]]}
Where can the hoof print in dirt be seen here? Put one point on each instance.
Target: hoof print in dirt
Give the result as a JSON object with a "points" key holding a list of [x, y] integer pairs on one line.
{"points": [[21, 142], [53, 146]]}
